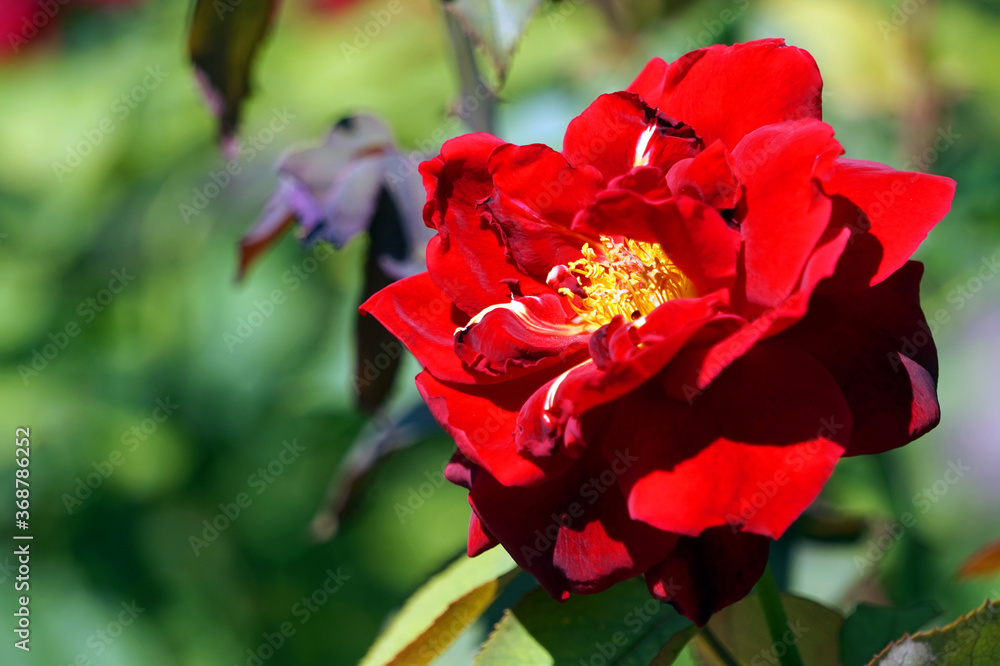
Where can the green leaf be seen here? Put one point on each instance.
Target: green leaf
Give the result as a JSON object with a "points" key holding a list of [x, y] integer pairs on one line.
{"points": [[742, 630], [222, 43], [622, 626], [672, 649], [442, 609], [495, 26], [511, 643], [870, 628], [973, 640]]}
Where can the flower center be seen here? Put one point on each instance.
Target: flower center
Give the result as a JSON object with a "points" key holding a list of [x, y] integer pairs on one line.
{"points": [[632, 279]]}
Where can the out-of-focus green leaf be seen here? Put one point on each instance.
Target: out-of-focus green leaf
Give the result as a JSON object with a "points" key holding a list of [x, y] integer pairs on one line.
{"points": [[742, 630], [224, 38], [495, 26], [973, 640], [441, 610], [623, 626], [870, 628], [672, 648]]}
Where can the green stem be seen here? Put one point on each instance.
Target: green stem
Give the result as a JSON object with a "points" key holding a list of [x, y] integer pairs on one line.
{"points": [[774, 614], [716, 646]]}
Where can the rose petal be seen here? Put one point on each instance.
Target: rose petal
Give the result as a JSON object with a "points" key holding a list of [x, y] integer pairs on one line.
{"points": [[704, 574], [726, 92], [619, 132], [481, 420], [525, 334], [894, 208], [753, 451], [572, 533], [424, 318], [877, 345], [707, 177], [787, 212], [692, 233], [467, 258], [634, 353], [536, 194]]}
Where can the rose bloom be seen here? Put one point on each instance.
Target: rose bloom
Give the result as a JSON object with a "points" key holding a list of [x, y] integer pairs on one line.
{"points": [[653, 347]]}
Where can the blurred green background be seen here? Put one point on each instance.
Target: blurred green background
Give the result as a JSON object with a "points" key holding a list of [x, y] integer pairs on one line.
{"points": [[898, 76]]}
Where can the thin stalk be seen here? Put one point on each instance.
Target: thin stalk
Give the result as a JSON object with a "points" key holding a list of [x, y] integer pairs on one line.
{"points": [[774, 614]]}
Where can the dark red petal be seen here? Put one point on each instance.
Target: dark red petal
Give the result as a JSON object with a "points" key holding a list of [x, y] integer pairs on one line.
{"points": [[780, 166], [634, 353], [423, 317], [619, 132], [572, 533], [525, 334], [753, 451], [693, 234], [877, 345], [892, 213], [536, 194], [707, 177], [467, 258], [704, 574], [705, 358], [480, 539], [726, 92], [481, 420], [460, 471]]}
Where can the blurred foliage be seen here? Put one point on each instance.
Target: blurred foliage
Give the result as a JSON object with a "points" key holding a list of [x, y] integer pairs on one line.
{"points": [[105, 139]]}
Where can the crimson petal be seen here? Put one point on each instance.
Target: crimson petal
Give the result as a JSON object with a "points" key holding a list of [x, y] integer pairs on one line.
{"points": [[726, 92], [424, 318], [877, 345], [752, 452], [481, 421], [707, 573], [526, 334], [780, 166], [467, 258], [619, 132], [896, 208]]}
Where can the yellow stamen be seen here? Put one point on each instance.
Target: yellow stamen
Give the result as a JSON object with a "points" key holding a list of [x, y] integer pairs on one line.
{"points": [[632, 279]]}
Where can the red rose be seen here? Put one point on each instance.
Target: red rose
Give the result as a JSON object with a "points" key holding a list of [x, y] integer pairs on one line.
{"points": [[652, 348]]}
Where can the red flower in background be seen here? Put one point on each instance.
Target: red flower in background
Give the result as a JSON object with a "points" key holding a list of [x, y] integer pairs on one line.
{"points": [[653, 347], [25, 22]]}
